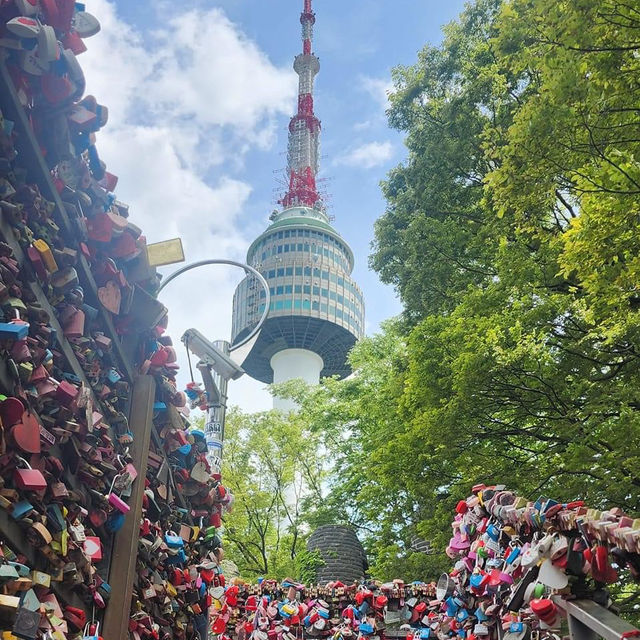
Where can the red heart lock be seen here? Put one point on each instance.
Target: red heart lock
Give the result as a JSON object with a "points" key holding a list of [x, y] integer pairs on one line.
{"points": [[26, 433], [11, 411]]}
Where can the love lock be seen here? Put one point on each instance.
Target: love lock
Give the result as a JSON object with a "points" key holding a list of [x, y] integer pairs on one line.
{"points": [[91, 631], [28, 479], [115, 500], [26, 623], [552, 576], [517, 631]]}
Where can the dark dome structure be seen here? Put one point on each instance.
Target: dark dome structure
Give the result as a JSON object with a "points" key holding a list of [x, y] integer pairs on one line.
{"points": [[343, 554]]}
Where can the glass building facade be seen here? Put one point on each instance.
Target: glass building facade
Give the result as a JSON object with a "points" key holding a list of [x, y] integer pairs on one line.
{"points": [[315, 304]]}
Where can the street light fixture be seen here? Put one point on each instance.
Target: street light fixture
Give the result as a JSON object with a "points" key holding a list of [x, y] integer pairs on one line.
{"points": [[219, 363]]}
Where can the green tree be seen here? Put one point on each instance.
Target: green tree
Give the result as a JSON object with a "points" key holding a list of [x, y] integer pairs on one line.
{"points": [[511, 234], [272, 466], [522, 363], [365, 486]]}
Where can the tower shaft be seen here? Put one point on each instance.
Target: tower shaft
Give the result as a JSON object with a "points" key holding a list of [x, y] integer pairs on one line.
{"points": [[304, 128]]}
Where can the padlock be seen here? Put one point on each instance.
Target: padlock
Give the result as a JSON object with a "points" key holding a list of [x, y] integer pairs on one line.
{"points": [[116, 501], [28, 479], [47, 256], [126, 477], [173, 541], [91, 631], [26, 623], [77, 532]]}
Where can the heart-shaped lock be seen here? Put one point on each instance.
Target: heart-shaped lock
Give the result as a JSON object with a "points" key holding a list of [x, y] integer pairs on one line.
{"points": [[110, 297], [26, 433], [11, 411]]}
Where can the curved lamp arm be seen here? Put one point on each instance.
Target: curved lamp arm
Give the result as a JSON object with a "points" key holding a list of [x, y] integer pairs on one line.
{"points": [[248, 270]]}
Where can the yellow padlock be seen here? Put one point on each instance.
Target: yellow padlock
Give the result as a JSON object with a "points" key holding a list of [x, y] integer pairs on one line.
{"points": [[41, 579], [47, 256]]}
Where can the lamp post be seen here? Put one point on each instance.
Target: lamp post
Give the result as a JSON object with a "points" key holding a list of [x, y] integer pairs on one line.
{"points": [[219, 363]]}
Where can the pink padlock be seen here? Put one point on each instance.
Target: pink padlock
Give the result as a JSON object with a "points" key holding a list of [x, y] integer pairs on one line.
{"points": [[115, 500]]}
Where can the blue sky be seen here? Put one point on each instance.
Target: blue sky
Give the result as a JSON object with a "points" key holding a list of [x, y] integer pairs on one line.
{"points": [[200, 93]]}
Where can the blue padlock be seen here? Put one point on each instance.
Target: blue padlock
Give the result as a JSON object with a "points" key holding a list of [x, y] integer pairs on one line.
{"points": [[451, 607], [114, 521], [22, 569], [514, 555], [476, 580], [185, 449], [537, 505], [173, 541], [493, 532], [13, 331], [21, 509]]}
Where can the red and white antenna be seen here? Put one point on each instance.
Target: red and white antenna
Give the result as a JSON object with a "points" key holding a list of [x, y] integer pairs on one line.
{"points": [[304, 128]]}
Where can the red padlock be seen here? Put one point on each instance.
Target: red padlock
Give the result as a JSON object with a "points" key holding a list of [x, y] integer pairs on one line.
{"points": [[76, 618], [462, 507], [29, 479], [545, 609]]}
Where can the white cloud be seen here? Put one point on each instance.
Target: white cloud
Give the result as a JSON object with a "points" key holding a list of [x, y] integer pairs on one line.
{"points": [[362, 126], [195, 94], [367, 156], [378, 88]]}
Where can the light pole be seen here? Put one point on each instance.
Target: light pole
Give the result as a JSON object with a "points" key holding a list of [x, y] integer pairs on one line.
{"points": [[219, 363]]}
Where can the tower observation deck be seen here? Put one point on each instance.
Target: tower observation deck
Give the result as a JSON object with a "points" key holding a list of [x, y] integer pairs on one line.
{"points": [[317, 310]]}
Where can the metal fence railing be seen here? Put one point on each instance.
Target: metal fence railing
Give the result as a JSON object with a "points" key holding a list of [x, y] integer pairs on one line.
{"points": [[588, 620]]}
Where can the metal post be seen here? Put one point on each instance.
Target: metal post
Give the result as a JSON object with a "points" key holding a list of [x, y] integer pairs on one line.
{"points": [[214, 427]]}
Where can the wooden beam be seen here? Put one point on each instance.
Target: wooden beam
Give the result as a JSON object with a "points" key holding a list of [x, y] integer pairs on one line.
{"points": [[125, 548]]}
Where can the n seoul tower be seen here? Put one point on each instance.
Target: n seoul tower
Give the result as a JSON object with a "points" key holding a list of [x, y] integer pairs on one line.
{"points": [[317, 310]]}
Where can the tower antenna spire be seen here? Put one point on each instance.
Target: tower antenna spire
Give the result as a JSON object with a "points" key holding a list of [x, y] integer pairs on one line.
{"points": [[304, 127]]}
